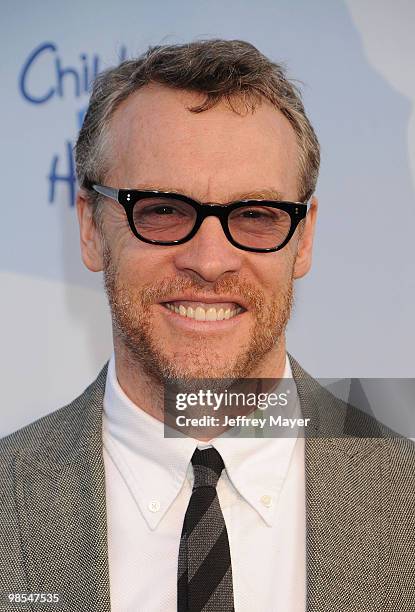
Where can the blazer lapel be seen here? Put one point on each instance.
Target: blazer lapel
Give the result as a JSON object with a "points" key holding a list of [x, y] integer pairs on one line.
{"points": [[60, 499], [345, 522], [344, 527]]}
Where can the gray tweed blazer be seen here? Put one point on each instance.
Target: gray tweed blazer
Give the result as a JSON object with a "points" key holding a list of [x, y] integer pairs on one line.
{"points": [[360, 508]]}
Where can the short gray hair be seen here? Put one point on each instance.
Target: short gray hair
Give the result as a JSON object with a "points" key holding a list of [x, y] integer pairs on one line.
{"points": [[223, 70]]}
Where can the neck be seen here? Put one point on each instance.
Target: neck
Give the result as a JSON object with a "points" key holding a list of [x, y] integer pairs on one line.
{"points": [[147, 393]]}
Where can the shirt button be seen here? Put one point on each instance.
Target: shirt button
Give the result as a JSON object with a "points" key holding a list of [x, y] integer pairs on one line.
{"points": [[154, 505], [266, 500]]}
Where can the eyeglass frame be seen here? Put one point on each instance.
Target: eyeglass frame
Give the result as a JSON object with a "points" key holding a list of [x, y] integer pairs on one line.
{"points": [[127, 198]]}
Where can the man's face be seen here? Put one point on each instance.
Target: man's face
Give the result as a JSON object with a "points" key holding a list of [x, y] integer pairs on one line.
{"points": [[215, 156]]}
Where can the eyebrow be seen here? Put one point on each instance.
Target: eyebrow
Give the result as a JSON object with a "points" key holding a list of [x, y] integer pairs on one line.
{"points": [[261, 194]]}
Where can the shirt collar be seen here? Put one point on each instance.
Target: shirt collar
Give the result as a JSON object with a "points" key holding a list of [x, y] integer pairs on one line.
{"points": [[154, 467]]}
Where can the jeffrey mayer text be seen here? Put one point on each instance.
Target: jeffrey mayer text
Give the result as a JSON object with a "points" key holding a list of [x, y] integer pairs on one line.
{"points": [[241, 421]]}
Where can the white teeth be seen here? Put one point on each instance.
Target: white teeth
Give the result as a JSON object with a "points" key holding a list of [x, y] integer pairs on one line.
{"points": [[200, 314], [211, 314]]}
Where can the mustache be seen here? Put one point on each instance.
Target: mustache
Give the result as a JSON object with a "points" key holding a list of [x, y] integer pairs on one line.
{"points": [[157, 292]]}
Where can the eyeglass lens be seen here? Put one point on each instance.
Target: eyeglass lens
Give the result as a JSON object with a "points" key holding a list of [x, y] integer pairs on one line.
{"points": [[168, 219]]}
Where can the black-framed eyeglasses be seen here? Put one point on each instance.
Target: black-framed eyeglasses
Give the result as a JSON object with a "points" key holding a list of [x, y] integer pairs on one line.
{"points": [[169, 218]]}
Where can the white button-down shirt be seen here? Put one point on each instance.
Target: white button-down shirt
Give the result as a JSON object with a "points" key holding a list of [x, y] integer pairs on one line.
{"points": [[149, 481]]}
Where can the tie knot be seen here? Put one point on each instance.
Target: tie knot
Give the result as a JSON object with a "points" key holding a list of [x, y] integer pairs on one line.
{"points": [[207, 467]]}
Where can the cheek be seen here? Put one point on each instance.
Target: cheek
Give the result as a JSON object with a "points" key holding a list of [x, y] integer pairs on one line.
{"points": [[141, 263], [277, 271]]}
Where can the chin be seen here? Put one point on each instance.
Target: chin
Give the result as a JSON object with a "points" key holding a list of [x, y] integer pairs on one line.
{"points": [[197, 366]]}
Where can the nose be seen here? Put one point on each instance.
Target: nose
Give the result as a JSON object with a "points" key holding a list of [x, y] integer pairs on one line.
{"points": [[209, 254]]}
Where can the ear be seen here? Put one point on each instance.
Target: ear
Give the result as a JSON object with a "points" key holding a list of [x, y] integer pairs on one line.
{"points": [[305, 244], [90, 237]]}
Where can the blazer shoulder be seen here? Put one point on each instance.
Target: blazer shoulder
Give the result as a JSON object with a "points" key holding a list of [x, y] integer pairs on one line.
{"points": [[338, 418], [68, 417]]}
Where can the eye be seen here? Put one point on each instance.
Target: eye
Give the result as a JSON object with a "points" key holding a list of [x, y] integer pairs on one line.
{"points": [[160, 218], [255, 213], [259, 213], [153, 208], [161, 210]]}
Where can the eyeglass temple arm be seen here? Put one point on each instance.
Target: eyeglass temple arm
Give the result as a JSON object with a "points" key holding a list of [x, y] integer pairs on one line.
{"points": [[106, 191]]}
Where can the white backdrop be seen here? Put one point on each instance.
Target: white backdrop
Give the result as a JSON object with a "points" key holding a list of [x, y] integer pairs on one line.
{"points": [[354, 313]]}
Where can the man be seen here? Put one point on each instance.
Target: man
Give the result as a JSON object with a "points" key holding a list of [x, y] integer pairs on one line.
{"points": [[197, 167]]}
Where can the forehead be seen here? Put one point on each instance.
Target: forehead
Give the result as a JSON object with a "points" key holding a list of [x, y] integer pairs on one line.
{"points": [[217, 154]]}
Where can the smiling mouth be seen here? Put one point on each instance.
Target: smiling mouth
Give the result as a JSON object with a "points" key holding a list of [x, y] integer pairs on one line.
{"points": [[205, 312]]}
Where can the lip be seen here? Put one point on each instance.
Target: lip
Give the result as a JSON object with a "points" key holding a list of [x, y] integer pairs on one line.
{"points": [[187, 324], [216, 299]]}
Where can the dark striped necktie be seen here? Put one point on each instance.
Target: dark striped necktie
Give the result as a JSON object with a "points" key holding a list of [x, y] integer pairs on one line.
{"points": [[205, 571]]}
